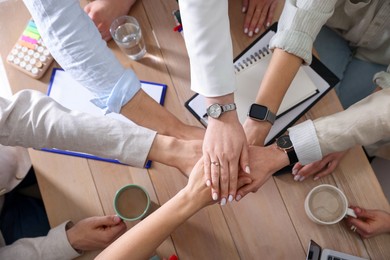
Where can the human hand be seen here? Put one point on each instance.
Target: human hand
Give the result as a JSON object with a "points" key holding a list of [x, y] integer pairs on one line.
{"points": [[264, 161], [95, 233], [369, 223], [259, 14], [225, 145], [103, 13], [318, 169]]}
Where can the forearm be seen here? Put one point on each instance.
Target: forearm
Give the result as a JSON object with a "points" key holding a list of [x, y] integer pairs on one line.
{"points": [[32, 119], [145, 111], [76, 44], [141, 241], [278, 77]]}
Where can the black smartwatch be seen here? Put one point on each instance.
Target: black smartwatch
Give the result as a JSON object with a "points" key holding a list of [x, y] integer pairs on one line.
{"points": [[284, 143], [261, 113]]}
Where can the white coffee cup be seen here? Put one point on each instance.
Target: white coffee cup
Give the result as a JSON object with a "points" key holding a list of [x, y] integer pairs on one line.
{"points": [[327, 205]]}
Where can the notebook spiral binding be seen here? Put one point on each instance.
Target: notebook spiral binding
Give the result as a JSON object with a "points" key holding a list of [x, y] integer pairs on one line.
{"points": [[251, 59]]}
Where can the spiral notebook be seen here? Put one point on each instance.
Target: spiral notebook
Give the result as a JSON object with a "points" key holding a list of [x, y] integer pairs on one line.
{"points": [[62, 88], [308, 86]]}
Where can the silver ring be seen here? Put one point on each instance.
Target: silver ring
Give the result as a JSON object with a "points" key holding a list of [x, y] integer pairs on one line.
{"points": [[215, 163], [353, 228]]}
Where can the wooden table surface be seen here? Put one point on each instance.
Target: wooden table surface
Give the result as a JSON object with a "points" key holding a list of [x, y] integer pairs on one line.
{"points": [[270, 224]]}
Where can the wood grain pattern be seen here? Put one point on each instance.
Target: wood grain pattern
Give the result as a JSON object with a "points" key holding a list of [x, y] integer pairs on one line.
{"points": [[268, 224]]}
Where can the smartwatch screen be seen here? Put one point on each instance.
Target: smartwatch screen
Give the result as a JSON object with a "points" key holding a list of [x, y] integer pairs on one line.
{"points": [[257, 112]]}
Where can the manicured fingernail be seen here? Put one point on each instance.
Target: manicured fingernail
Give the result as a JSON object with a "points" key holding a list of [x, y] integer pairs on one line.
{"points": [[246, 30], [238, 197], [243, 9], [257, 30], [223, 201], [250, 34], [302, 178], [297, 177], [247, 169], [208, 183], [268, 24], [215, 196], [316, 178], [230, 198], [294, 171]]}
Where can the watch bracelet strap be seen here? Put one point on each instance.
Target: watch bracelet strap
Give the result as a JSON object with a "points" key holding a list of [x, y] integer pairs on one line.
{"points": [[270, 117], [229, 107]]}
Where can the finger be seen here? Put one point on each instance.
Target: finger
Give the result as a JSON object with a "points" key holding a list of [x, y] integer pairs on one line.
{"points": [[261, 19], [253, 26], [207, 170], [244, 190], [224, 169], [243, 180], [233, 174], [104, 221], [296, 168], [244, 5], [87, 8], [215, 178], [363, 213], [361, 226], [244, 159], [248, 18], [328, 170], [271, 12]]}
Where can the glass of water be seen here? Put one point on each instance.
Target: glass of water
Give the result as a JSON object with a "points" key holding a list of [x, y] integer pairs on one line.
{"points": [[126, 32]]}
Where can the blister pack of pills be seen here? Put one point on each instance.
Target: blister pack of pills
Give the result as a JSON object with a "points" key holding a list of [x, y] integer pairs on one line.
{"points": [[29, 54]]}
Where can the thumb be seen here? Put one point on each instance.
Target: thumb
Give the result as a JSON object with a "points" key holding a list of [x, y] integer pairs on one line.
{"points": [[244, 159], [363, 213], [111, 220]]}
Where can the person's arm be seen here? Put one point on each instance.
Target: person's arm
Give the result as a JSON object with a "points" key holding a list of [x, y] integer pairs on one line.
{"points": [[103, 13], [321, 144], [207, 36], [298, 26], [364, 123], [32, 119], [141, 241], [76, 44], [67, 241]]}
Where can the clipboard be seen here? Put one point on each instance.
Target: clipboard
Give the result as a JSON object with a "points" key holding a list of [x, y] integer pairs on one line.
{"points": [[317, 72], [62, 88]]}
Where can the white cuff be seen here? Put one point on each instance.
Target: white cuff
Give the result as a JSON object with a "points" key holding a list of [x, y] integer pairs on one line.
{"points": [[305, 141]]}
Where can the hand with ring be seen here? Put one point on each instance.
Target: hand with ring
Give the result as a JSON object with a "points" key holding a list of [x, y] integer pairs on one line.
{"points": [[225, 151], [369, 223]]}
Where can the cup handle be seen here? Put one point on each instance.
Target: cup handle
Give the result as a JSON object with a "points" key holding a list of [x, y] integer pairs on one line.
{"points": [[350, 213]]}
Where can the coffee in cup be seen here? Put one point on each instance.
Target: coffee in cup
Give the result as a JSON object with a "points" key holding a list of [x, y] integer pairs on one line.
{"points": [[326, 205], [132, 202]]}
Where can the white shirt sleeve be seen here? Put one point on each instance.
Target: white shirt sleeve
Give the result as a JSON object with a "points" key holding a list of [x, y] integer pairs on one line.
{"points": [[53, 246], [206, 31], [32, 119], [299, 25], [76, 44], [305, 141]]}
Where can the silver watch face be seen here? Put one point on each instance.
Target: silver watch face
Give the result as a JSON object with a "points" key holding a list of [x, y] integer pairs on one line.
{"points": [[214, 110]]}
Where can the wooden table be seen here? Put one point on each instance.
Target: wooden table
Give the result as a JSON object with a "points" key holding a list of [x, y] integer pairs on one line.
{"points": [[270, 224]]}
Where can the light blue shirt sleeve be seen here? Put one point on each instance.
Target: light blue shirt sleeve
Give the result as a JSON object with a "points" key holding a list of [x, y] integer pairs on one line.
{"points": [[76, 44]]}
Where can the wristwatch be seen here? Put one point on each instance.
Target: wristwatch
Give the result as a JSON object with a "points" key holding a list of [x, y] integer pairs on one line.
{"points": [[216, 110], [284, 143], [261, 113]]}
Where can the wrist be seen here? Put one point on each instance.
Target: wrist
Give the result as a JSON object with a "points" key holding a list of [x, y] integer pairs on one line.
{"points": [[280, 158], [256, 131], [72, 237]]}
